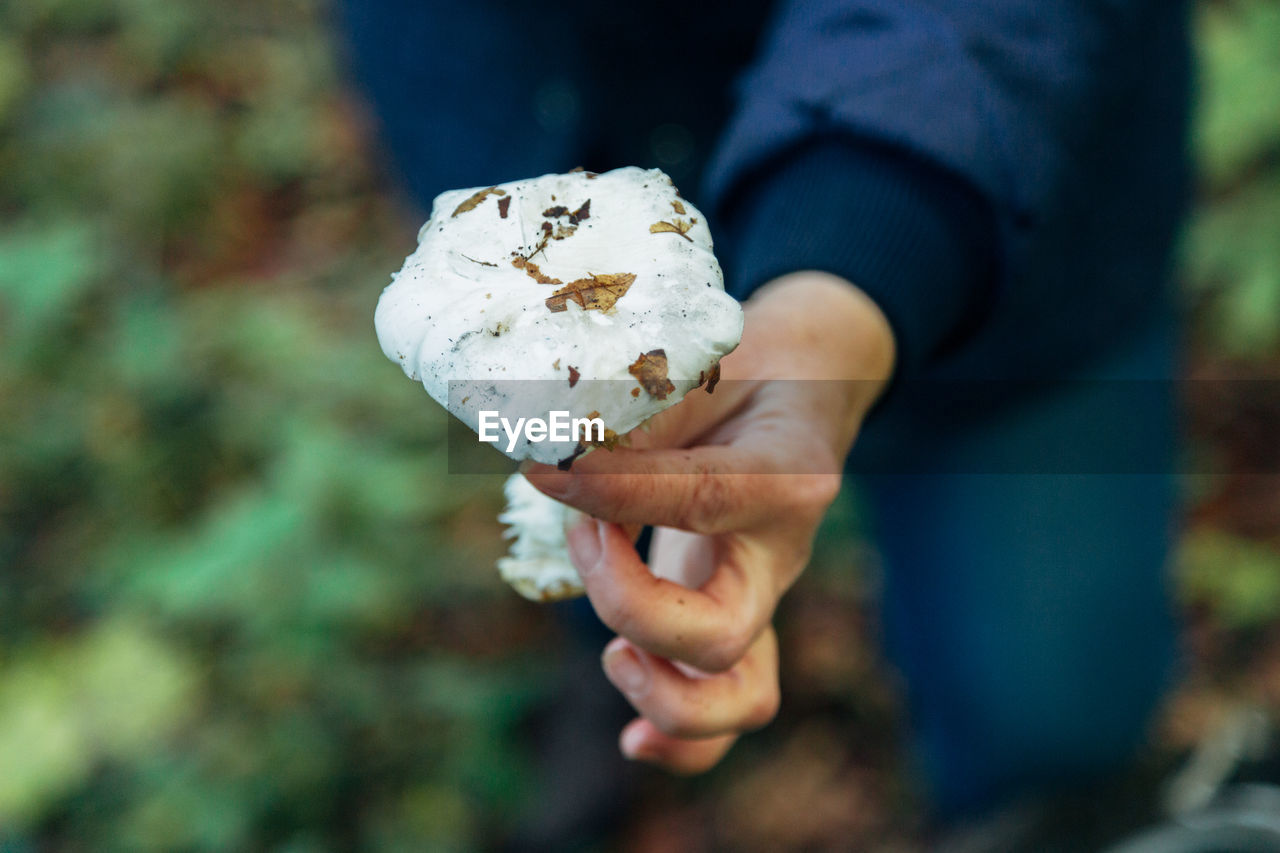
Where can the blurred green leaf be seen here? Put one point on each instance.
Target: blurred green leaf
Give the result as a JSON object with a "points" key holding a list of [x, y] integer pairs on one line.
{"points": [[153, 164], [43, 272], [15, 78], [112, 693], [1238, 579], [1232, 259], [1239, 47]]}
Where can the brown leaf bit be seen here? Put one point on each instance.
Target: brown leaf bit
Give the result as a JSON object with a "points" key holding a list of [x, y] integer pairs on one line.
{"points": [[555, 365], [635, 392], [504, 204], [566, 463], [559, 230], [611, 438], [678, 227], [481, 263], [596, 292], [677, 207], [531, 269], [650, 370], [474, 201], [712, 379], [583, 212], [573, 376]]}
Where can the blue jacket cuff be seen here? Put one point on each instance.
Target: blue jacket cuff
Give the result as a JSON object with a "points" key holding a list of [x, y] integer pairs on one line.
{"points": [[918, 240]]}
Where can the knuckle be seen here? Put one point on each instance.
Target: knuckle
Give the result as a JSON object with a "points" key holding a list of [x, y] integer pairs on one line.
{"points": [[705, 503], [612, 609], [681, 720], [722, 652], [765, 707], [802, 498], [811, 492]]}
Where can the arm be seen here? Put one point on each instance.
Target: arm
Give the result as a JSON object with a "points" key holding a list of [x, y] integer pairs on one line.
{"points": [[1063, 122], [971, 146]]}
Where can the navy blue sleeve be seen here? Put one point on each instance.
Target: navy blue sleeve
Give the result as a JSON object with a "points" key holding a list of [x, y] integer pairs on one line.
{"points": [[461, 97], [918, 239], [1006, 178]]}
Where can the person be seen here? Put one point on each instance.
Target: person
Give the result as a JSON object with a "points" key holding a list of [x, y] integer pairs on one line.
{"points": [[951, 224]]}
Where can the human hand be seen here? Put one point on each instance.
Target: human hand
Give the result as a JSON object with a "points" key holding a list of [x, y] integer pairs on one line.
{"points": [[735, 484]]}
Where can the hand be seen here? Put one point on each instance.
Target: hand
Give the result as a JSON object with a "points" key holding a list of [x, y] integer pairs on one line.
{"points": [[735, 484]]}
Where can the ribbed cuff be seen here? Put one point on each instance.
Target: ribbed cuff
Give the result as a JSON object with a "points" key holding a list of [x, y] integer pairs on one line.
{"points": [[918, 240]]}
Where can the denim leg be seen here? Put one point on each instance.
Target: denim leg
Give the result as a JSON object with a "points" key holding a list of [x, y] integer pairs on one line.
{"points": [[1030, 613]]}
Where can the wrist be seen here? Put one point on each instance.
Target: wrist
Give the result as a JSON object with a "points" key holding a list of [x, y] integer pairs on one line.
{"points": [[815, 325], [820, 328]]}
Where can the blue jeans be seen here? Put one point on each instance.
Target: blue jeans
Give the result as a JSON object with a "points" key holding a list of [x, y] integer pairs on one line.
{"points": [[1030, 613]]}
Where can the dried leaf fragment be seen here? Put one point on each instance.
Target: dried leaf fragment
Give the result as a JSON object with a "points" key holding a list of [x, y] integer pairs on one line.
{"points": [[596, 292], [583, 212], [677, 207], [504, 204], [611, 438], [532, 270], [678, 227], [573, 376], [566, 463], [713, 378], [474, 201], [650, 370]]}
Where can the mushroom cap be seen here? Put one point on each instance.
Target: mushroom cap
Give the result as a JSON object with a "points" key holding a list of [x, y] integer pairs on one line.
{"points": [[596, 295]]}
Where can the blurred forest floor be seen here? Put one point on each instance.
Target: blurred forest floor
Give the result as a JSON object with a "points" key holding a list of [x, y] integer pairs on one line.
{"points": [[241, 608]]}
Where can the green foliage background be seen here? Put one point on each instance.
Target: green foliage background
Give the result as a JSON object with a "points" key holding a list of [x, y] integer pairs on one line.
{"points": [[240, 605]]}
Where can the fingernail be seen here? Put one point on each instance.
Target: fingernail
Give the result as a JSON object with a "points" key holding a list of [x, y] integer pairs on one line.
{"points": [[585, 540], [627, 672], [632, 739]]}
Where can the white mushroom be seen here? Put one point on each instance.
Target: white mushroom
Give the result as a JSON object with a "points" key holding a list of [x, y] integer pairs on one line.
{"points": [[538, 562], [594, 296]]}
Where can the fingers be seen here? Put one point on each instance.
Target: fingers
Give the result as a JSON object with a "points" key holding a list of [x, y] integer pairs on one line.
{"points": [[763, 466], [641, 741], [685, 703], [702, 489], [690, 720], [697, 414], [706, 490], [711, 627]]}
